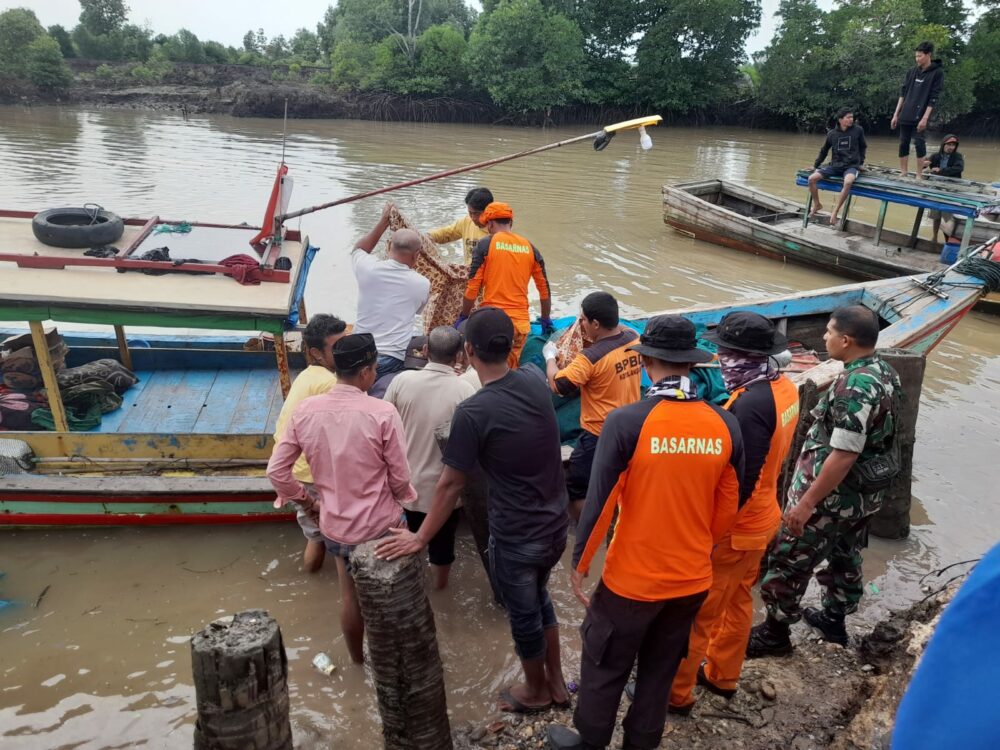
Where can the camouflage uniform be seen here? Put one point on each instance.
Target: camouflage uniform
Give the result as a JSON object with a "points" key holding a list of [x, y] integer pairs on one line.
{"points": [[855, 414]]}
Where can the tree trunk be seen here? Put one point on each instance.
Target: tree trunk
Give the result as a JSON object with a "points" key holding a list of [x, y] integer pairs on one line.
{"points": [[893, 520], [403, 650], [240, 681]]}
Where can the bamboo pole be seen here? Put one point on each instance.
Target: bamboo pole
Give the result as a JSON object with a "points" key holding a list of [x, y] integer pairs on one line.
{"points": [[123, 351], [48, 376], [606, 131], [281, 355]]}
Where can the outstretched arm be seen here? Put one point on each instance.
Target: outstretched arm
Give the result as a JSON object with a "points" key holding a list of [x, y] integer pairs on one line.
{"points": [[370, 240]]}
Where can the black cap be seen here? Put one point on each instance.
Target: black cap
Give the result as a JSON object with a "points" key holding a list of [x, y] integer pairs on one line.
{"points": [[749, 332], [414, 358], [671, 338], [489, 330], [354, 350]]}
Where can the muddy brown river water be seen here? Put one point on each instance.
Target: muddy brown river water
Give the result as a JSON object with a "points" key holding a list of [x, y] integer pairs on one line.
{"points": [[103, 661]]}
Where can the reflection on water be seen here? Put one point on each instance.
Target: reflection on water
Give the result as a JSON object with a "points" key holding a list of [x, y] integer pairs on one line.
{"points": [[103, 661]]}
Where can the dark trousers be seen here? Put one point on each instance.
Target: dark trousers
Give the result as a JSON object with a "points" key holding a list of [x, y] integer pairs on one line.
{"points": [[441, 547], [616, 632], [908, 132], [581, 460]]}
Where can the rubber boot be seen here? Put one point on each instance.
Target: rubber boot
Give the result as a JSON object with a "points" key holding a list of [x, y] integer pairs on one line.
{"points": [[770, 638], [829, 625]]}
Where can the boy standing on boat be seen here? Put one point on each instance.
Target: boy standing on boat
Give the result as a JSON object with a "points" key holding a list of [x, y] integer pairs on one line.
{"points": [[766, 404], [509, 429], [848, 146], [390, 292], [322, 332], [502, 266], [606, 374], [833, 494], [671, 464], [469, 228], [425, 400], [356, 449], [918, 97]]}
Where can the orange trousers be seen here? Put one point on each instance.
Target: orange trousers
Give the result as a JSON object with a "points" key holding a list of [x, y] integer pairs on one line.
{"points": [[722, 628], [521, 333]]}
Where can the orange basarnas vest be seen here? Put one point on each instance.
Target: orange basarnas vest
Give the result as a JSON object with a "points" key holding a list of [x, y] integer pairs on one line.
{"points": [[677, 497]]}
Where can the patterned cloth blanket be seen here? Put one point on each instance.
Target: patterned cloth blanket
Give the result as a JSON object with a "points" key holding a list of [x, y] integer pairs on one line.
{"points": [[448, 282]]}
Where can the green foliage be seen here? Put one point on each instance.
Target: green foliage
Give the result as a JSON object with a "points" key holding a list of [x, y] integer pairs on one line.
{"points": [[45, 66], [105, 72], [526, 57], [103, 16], [19, 27], [184, 47], [216, 53], [304, 47], [984, 54], [689, 57], [64, 41], [130, 42], [352, 65]]}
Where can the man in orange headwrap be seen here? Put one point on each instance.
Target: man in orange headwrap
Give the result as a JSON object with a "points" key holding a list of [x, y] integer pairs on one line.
{"points": [[502, 264]]}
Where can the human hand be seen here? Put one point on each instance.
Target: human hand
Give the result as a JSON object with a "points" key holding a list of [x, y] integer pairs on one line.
{"points": [[386, 210], [894, 123], [547, 326], [550, 351], [795, 519], [935, 170], [922, 125], [400, 543], [576, 581]]}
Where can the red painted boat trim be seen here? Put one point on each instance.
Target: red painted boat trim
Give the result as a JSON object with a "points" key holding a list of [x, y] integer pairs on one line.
{"points": [[15, 496], [151, 519]]}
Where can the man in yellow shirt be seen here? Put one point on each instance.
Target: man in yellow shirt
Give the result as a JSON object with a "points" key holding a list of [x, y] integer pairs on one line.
{"points": [[322, 332], [468, 228]]}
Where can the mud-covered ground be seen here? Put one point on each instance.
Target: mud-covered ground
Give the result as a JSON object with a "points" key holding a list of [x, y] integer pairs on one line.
{"points": [[822, 696]]}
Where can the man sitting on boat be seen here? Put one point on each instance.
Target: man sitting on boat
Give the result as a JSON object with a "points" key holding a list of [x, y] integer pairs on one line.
{"points": [[838, 485], [322, 332], [390, 292], [947, 162], [848, 146], [469, 228], [356, 450], [502, 265]]}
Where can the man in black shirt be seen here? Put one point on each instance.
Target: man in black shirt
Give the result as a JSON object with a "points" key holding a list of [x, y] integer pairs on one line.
{"points": [[918, 97], [847, 141], [509, 429]]}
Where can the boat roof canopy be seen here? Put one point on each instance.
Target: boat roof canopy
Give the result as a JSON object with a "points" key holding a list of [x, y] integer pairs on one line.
{"points": [[103, 296]]}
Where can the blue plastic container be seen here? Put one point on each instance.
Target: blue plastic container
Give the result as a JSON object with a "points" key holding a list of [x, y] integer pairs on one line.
{"points": [[949, 254]]}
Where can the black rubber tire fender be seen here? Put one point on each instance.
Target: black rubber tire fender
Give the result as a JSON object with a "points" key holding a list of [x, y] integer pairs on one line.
{"points": [[77, 227]]}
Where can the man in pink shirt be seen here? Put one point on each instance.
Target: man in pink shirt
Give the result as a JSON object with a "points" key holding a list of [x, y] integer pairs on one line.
{"points": [[356, 450]]}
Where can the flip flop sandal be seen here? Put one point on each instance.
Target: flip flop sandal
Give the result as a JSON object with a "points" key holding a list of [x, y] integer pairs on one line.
{"points": [[516, 707]]}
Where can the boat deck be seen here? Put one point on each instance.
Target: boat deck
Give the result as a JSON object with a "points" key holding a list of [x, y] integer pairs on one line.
{"points": [[213, 401], [909, 259]]}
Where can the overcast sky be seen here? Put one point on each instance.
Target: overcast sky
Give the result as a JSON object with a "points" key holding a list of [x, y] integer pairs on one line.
{"points": [[227, 21]]}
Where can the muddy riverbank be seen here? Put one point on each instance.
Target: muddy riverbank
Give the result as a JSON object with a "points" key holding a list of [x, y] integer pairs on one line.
{"points": [[823, 696]]}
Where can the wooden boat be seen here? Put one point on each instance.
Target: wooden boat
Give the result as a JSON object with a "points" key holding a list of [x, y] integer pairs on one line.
{"points": [[191, 442], [750, 220], [192, 438]]}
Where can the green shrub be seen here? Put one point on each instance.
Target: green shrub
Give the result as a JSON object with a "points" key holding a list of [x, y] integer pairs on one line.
{"points": [[105, 72], [45, 65]]}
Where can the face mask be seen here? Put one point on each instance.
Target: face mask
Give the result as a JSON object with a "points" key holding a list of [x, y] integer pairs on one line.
{"points": [[740, 369]]}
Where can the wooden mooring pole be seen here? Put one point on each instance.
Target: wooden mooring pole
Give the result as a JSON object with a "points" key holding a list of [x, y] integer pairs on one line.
{"points": [[403, 650], [893, 520], [241, 685]]}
